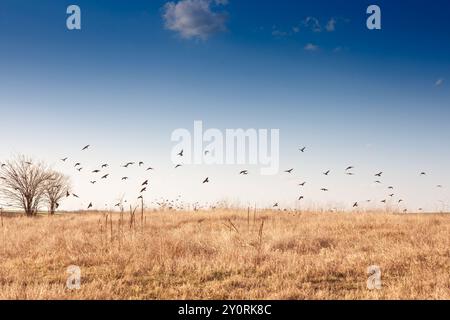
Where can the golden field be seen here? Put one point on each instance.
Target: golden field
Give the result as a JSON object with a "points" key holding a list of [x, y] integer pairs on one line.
{"points": [[226, 254]]}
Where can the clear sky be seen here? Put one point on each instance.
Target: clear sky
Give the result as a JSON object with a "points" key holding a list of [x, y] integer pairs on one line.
{"points": [[377, 100]]}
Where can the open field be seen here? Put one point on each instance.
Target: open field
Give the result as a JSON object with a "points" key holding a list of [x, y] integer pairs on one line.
{"points": [[226, 254]]}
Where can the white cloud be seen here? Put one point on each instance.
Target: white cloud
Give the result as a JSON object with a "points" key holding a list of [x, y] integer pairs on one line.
{"points": [[439, 82], [313, 24], [194, 18], [311, 47]]}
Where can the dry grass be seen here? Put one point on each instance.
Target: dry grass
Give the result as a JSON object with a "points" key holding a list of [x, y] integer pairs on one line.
{"points": [[226, 255]]}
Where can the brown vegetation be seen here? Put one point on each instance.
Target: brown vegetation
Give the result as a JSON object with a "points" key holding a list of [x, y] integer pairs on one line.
{"points": [[224, 254]]}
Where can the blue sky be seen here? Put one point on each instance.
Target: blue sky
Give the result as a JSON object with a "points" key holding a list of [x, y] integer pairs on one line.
{"points": [[136, 71]]}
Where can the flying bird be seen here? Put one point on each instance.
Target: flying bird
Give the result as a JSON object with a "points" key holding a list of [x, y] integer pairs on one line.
{"points": [[67, 194], [178, 165], [141, 163], [64, 159], [391, 187], [289, 171], [378, 181], [74, 195], [85, 147], [143, 189], [391, 195], [77, 164], [355, 205], [383, 201], [90, 205], [149, 168], [302, 184], [399, 201], [349, 168], [93, 182], [206, 180], [140, 197], [324, 189], [244, 172], [301, 198], [95, 171], [275, 205], [105, 176], [378, 174], [181, 153], [124, 178], [117, 205], [423, 173], [105, 165], [326, 172], [144, 183], [128, 164], [79, 169], [350, 173], [302, 149]]}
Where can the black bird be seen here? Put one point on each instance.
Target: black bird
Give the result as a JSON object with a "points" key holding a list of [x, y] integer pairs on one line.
{"points": [[350, 173], [378, 181], [105, 165], [302, 149], [117, 205], [124, 178], [206, 152], [355, 204], [3, 164], [206, 180], [149, 168], [391, 195], [383, 201], [143, 189], [391, 187], [128, 164], [85, 147], [141, 163], [378, 174], [301, 198], [144, 183], [96, 171], [73, 194], [326, 173], [423, 173], [324, 189], [140, 197], [77, 164], [105, 176], [275, 205], [302, 184], [93, 182], [90, 205], [79, 169], [64, 159], [244, 172], [178, 165], [399, 201], [439, 186], [181, 153], [28, 163], [349, 168], [289, 171], [67, 194]]}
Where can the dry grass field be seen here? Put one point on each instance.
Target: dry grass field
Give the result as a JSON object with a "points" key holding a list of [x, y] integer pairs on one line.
{"points": [[226, 254]]}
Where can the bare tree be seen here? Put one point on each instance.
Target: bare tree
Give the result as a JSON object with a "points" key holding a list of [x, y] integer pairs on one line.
{"points": [[56, 189], [22, 183]]}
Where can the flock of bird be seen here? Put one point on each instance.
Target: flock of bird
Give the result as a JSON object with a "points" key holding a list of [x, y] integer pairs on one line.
{"points": [[143, 187]]}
